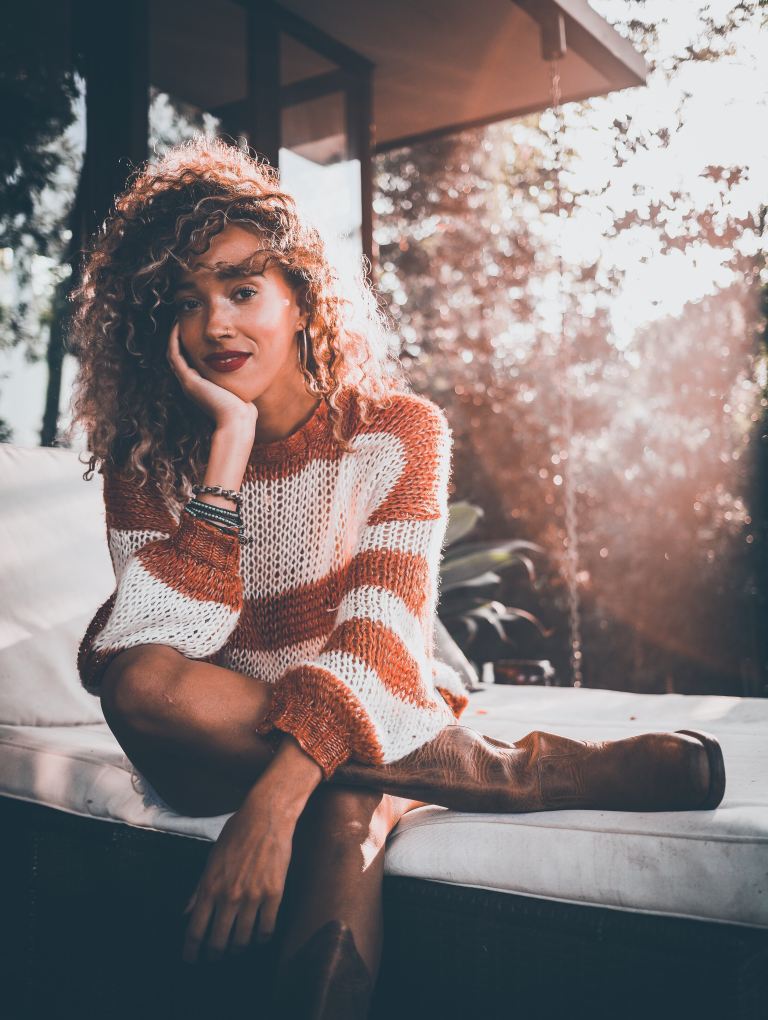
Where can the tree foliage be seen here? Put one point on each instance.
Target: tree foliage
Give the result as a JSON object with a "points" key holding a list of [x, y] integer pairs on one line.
{"points": [[667, 418], [39, 163]]}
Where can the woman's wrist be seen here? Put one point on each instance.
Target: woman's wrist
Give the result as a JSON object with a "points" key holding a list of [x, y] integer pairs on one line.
{"points": [[287, 783], [231, 446]]}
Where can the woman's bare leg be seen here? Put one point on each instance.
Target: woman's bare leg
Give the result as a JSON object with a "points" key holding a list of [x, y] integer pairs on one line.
{"points": [[331, 924], [188, 726], [162, 706]]}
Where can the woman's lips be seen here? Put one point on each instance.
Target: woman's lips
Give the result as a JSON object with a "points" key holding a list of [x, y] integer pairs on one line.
{"points": [[228, 364]]}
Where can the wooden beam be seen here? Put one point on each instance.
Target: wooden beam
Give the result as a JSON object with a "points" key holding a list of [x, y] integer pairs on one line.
{"points": [[313, 37], [303, 91], [313, 88], [266, 97], [468, 125], [319, 41]]}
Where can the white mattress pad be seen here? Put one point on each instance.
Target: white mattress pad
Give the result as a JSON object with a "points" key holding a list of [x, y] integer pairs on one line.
{"points": [[708, 865]]}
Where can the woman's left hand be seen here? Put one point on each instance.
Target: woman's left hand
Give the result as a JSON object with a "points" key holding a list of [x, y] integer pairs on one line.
{"points": [[244, 877], [247, 867]]}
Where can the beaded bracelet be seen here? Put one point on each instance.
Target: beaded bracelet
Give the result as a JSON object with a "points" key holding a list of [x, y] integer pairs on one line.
{"points": [[217, 490], [230, 516], [228, 521], [226, 526]]}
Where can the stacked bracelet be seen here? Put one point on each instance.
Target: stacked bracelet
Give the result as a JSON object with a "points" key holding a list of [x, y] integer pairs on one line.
{"points": [[228, 521], [216, 513], [217, 490]]}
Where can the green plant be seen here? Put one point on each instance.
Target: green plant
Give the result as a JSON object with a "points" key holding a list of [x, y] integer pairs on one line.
{"points": [[469, 614]]}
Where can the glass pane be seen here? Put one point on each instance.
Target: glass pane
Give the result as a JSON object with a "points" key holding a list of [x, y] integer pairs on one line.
{"points": [[314, 156], [315, 169]]}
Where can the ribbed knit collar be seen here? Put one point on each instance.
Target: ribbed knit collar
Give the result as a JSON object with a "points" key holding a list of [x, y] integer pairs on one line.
{"points": [[299, 442]]}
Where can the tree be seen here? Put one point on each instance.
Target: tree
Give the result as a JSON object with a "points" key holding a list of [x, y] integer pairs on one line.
{"points": [[40, 162], [469, 269]]}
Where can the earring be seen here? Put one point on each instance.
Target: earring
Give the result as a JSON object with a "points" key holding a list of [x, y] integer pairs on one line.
{"points": [[303, 346]]}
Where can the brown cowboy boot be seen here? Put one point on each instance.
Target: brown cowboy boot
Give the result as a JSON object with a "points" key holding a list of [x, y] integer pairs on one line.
{"points": [[463, 770], [326, 979]]}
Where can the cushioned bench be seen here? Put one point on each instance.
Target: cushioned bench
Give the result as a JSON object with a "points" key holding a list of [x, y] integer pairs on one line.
{"points": [[551, 910]]}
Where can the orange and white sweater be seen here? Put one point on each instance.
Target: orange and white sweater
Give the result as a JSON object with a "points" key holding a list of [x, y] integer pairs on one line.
{"points": [[334, 600]]}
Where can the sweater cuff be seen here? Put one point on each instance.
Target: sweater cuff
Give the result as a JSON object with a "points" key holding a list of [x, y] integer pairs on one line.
{"points": [[207, 543], [306, 705]]}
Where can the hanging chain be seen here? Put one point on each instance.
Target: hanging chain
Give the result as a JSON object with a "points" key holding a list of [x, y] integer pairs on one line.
{"points": [[570, 557]]}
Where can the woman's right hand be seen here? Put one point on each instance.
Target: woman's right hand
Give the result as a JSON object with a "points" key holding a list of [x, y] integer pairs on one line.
{"points": [[220, 404], [243, 881]]}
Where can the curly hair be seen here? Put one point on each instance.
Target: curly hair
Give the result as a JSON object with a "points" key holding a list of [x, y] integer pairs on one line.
{"points": [[126, 396]]}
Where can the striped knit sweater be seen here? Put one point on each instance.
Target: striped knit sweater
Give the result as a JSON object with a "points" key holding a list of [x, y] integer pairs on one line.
{"points": [[333, 601]]}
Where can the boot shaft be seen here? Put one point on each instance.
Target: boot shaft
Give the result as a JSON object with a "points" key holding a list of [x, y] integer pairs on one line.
{"points": [[466, 771]]}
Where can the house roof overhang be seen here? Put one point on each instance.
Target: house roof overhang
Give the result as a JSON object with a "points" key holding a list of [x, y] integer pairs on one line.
{"points": [[438, 66], [444, 65]]}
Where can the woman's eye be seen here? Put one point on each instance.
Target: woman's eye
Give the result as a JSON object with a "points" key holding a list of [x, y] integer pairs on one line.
{"points": [[187, 305], [245, 292]]}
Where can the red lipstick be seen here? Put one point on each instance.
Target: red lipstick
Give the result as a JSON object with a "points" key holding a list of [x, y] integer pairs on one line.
{"points": [[228, 362]]}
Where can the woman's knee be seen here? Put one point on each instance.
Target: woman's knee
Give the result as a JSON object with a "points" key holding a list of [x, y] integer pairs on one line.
{"points": [[347, 819], [138, 680]]}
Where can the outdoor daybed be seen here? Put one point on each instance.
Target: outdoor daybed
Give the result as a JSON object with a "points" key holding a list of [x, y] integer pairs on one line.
{"points": [[568, 913]]}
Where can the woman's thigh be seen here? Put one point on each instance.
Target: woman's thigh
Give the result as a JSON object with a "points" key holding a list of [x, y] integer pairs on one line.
{"points": [[188, 726], [156, 689]]}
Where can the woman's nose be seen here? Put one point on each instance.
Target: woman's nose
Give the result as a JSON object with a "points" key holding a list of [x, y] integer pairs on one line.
{"points": [[219, 323]]}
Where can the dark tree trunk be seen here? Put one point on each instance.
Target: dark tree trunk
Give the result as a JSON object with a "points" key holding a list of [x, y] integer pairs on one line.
{"points": [[55, 359]]}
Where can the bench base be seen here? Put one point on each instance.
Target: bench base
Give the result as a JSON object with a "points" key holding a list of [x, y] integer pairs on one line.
{"points": [[92, 926]]}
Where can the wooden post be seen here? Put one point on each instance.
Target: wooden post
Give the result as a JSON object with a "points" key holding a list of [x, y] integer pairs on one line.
{"points": [[115, 60], [360, 144], [263, 103], [115, 65]]}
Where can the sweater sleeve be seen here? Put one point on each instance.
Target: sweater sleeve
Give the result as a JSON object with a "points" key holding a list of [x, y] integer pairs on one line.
{"points": [[371, 694], [176, 582]]}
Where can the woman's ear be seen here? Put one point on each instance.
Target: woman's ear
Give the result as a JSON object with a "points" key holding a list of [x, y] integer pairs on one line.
{"points": [[302, 301]]}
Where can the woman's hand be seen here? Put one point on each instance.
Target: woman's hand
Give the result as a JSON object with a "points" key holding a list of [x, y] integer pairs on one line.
{"points": [[244, 877], [218, 403], [247, 867]]}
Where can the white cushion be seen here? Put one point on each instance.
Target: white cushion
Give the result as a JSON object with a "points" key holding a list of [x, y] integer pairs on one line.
{"points": [[55, 571], [83, 770], [707, 865]]}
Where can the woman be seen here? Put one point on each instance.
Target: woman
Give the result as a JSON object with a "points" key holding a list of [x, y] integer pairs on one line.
{"points": [[276, 505]]}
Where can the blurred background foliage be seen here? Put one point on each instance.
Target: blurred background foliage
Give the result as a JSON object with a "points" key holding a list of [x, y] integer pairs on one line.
{"points": [[670, 438]]}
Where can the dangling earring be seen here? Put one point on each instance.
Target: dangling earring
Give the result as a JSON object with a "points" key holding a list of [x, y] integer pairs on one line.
{"points": [[304, 359], [303, 349]]}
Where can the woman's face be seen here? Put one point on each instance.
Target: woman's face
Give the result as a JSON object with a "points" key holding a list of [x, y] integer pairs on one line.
{"points": [[253, 311]]}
